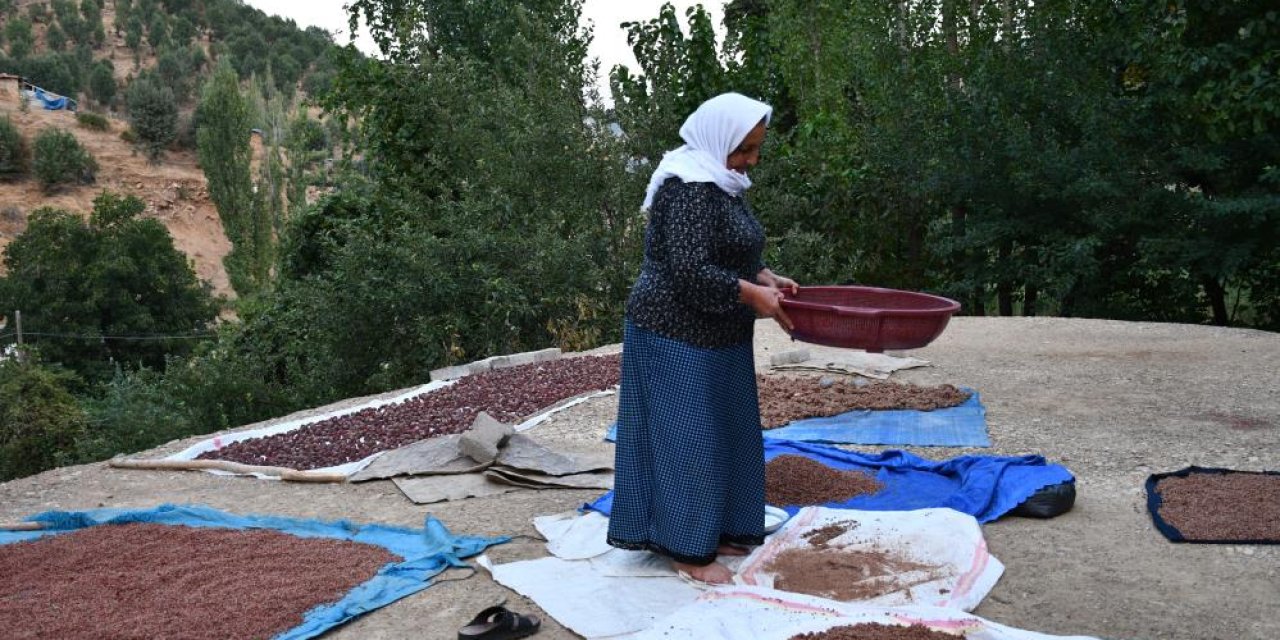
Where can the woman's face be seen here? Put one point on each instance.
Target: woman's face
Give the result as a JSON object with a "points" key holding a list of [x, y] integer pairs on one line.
{"points": [[748, 153]]}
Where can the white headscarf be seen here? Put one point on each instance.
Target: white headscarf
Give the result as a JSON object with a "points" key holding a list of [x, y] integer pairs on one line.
{"points": [[710, 134]]}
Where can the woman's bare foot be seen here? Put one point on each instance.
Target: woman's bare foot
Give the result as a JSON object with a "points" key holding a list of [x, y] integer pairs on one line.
{"points": [[731, 550], [714, 573]]}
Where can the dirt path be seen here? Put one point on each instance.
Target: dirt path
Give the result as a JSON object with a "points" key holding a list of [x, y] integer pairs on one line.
{"points": [[1114, 401]]}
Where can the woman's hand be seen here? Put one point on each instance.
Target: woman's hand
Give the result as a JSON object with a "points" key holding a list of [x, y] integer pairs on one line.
{"points": [[765, 301], [775, 281]]}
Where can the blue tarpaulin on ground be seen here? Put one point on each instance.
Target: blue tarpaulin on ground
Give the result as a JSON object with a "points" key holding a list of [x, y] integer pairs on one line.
{"points": [[426, 552], [985, 487], [960, 426]]}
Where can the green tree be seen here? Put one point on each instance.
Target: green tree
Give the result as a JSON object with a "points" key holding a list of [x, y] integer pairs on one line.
{"points": [[1212, 114], [40, 421], [153, 114], [158, 31], [174, 68], [14, 155], [55, 38], [133, 35], [101, 285], [223, 143], [183, 31], [102, 82], [17, 31], [92, 12], [677, 73], [124, 11], [59, 160]]}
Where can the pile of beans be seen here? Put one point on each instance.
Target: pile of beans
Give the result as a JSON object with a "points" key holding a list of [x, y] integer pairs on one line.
{"points": [[506, 394]]}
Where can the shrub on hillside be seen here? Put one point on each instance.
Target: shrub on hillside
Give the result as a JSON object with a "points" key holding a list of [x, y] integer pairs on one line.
{"points": [[40, 420], [59, 159], [14, 155], [153, 113], [95, 121]]}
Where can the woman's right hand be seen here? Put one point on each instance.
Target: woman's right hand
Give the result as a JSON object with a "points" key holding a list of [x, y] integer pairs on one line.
{"points": [[765, 301]]}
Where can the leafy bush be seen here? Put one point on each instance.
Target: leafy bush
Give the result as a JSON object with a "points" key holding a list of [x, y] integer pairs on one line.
{"points": [[14, 155], [130, 136], [133, 412], [59, 159], [95, 121], [40, 420]]}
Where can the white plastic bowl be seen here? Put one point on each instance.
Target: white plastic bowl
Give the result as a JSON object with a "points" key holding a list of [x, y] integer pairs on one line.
{"points": [[774, 518]]}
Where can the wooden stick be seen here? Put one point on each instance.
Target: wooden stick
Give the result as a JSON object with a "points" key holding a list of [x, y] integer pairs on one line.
{"points": [[21, 526], [283, 473]]}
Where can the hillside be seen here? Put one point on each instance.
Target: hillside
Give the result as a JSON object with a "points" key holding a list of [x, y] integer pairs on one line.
{"points": [[175, 189]]}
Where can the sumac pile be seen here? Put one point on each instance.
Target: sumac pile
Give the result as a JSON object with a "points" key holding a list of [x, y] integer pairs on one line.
{"points": [[506, 394], [783, 400]]}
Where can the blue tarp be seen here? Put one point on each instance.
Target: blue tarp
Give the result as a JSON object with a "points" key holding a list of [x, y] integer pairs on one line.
{"points": [[51, 102], [985, 487], [426, 552], [960, 426]]}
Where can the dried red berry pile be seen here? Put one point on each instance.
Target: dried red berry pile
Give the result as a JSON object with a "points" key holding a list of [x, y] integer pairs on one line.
{"points": [[506, 394]]}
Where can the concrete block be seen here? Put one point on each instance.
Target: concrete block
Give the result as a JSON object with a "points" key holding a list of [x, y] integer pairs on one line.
{"points": [[450, 373], [485, 437], [795, 356]]}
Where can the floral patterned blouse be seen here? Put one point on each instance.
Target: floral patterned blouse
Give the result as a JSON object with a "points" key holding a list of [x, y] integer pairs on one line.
{"points": [[699, 242]]}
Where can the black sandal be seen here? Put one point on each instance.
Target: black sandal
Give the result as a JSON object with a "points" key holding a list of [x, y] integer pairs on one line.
{"points": [[499, 623]]}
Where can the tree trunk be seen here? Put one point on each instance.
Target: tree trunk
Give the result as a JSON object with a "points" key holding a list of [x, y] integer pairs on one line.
{"points": [[1217, 300], [977, 306], [1004, 285], [1029, 300]]}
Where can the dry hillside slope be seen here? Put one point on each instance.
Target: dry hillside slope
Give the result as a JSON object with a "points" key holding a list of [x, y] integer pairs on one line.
{"points": [[175, 190]]}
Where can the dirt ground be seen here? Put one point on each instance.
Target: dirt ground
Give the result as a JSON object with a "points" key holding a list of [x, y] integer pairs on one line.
{"points": [[1113, 401]]}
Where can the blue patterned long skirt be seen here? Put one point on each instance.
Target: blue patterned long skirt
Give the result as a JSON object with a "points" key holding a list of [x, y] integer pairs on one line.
{"points": [[690, 456]]}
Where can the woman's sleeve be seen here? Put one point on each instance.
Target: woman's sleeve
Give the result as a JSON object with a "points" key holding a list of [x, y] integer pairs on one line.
{"points": [[694, 223]]}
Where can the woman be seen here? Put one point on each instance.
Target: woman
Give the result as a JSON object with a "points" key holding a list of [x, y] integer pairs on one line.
{"points": [[690, 458]]}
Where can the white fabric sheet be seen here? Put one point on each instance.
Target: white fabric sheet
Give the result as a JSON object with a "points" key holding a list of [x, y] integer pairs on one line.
{"points": [[733, 613]]}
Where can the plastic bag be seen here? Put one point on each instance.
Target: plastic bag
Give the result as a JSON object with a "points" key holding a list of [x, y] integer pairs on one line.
{"points": [[1048, 502]]}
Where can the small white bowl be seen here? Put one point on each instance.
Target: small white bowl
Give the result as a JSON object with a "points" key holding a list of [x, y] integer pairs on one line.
{"points": [[774, 518]]}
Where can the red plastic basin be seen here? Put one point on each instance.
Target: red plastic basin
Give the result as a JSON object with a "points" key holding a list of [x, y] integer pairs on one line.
{"points": [[867, 318]]}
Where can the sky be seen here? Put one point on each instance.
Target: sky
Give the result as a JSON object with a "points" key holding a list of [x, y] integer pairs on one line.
{"points": [[609, 45]]}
